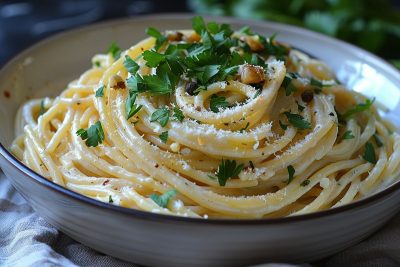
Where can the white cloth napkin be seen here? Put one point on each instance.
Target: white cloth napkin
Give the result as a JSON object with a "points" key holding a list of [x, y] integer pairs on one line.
{"points": [[28, 240]]}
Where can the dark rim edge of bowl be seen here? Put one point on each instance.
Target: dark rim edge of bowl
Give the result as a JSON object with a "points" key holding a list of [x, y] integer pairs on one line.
{"points": [[18, 165]]}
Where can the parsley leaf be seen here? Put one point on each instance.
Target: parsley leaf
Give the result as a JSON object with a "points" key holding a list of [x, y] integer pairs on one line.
{"points": [[164, 137], [245, 128], [378, 140], [291, 172], [114, 50], [160, 39], [227, 169], [97, 64], [283, 126], [178, 115], [369, 153], [42, 108], [316, 83], [298, 121], [161, 115], [217, 102], [287, 82], [158, 84], [305, 183], [110, 199], [153, 58], [93, 136], [100, 91], [131, 66], [130, 107], [359, 108], [300, 107], [162, 200], [198, 24], [348, 135]]}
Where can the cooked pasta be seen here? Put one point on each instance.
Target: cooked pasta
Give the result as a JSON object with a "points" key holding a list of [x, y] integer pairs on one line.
{"points": [[210, 123]]}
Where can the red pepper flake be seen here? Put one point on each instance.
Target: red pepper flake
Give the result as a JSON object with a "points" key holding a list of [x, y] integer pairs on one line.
{"points": [[307, 96], [7, 94], [106, 182], [156, 165]]}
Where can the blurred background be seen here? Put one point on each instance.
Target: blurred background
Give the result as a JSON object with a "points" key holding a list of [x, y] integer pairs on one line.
{"points": [[371, 24]]}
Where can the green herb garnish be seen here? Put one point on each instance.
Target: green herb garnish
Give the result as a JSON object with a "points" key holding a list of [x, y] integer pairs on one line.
{"points": [[130, 107], [162, 200], [348, 135], [114, 50], [305, 183], [160, 39], [164, 137], [93, 136], [245, 128], [217, 102], [291, 172], [110, 199], [298, 121], [100, 91], [358, 108], [283, 126], [227, 169], [369, 153], [288, 82], [178, 115], [42, 108], [131, 66], [161, 115], [300, 107]]}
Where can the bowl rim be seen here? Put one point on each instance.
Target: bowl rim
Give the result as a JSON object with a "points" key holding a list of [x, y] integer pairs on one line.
{"points": [[19, 166]]}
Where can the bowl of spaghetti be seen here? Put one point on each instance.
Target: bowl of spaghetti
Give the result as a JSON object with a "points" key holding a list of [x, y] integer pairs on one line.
{"points": [[217, 142]]}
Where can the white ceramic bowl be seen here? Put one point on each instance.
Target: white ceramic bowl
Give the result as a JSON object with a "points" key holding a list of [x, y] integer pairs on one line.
{"points": [[161, 240]]}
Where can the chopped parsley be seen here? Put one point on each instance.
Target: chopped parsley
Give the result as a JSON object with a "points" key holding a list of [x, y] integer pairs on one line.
{"points": [[94, 135], [291, 172], [210, 60], [164, 137], [358, 108], [348, 135], [217, 102], [160, 39], [369, 153], [131, 66], [161, 115], [300, 107], [162, 200], [298, 121], [245, 128], [178, 115], [97, 64], [305, 183], [42, 108], [100, 91], [288, 84], [378, 141], [316, 83], [283, 126], [110, 199], [114, 50], [130, 107], [227, 169]]}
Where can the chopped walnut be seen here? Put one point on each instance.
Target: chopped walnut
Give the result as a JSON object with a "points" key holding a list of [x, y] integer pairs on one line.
{"points": [[192, 37], [174, 36], [116, 82], [253, 42], [251, 74]]}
